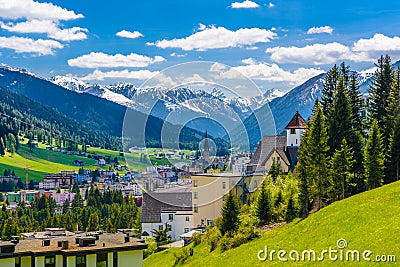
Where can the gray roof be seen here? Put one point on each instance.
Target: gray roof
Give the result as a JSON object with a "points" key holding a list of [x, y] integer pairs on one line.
{"points": [[155, 203], [266, 147]]}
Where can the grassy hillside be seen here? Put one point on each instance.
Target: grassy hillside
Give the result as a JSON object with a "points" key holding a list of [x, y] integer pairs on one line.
{"points": [[368, 221]]}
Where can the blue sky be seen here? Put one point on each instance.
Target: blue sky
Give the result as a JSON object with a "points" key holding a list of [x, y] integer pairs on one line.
{"points": [[278, 44]]}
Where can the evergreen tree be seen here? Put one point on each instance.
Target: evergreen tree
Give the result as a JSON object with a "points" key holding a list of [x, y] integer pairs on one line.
{"points": [[10, 228], [340, 119], [374, 158], [263, 205], [290, 213], [330, 84], [341, 167], [230, 215], [379, 91], [2, 148], [66, 206], [302, 170], [318, 158], [393, 162], [356, 103], [275, 170]]}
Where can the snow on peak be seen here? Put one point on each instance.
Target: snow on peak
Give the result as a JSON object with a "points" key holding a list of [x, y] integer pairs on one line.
{"points": [[70, 83]]}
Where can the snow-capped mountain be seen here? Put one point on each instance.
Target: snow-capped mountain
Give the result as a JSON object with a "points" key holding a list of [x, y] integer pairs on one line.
{"points": [[177, 105]]}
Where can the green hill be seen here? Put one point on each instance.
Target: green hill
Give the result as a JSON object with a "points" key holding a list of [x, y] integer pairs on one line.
{"points": [[367, 221]]}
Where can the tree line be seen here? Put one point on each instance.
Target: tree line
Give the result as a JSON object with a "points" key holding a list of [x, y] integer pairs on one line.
{"points": [[106, 211], [351, 143]]}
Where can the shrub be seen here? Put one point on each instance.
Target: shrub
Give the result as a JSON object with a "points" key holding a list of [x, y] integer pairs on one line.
{"points": [[238, 239], [196, 238], [225, 242], [151, 246], [181, 255], [212, 236]]}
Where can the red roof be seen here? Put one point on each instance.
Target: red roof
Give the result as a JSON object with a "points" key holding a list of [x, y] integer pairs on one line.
{"points": [[297, 122]]}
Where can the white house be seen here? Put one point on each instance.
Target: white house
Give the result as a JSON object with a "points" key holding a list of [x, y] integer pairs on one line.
{"points": [[172, 210]]}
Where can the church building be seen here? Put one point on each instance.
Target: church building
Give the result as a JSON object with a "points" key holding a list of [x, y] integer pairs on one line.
{"points": [[281, 149]]}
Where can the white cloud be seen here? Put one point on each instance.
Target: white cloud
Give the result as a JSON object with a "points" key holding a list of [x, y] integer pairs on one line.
{"points": [[245, 4], [323, 29], [202, 27], [271, 5], [128, 34], [177, 55], [51, 28], [29, 9], [71, 34], [102, 60], [28, 45], [122, 74], [274, 73], [218, 37], [378, 42], [316, 54]]}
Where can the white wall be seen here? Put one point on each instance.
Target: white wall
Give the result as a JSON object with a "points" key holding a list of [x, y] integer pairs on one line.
{"points": [[291, 138], [178, 224]]}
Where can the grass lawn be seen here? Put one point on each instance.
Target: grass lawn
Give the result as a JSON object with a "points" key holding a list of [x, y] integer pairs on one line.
{"points": [[367, 221]]}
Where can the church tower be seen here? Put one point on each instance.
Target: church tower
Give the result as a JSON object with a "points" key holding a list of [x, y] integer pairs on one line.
{"points": [[294, 130], [206, 149]]}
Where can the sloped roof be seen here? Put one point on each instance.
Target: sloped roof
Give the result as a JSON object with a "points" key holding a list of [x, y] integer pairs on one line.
{"points": [[297, 122], [154, 203], [266, 147]]}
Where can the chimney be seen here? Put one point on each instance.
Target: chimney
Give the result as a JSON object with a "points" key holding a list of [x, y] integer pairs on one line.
{"points": [[127, 238]]}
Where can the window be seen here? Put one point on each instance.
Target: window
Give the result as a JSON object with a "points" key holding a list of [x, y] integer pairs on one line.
{"points": [[223, 197], [296, 141], [195, 208], [187, 218], [101, 260], [292, 131], [115, 259], [50, 261], [223, 185], [171, 217], [195, 195], [160, 227], [195, 183], [209, 222], [186, 230], [80, 261]]}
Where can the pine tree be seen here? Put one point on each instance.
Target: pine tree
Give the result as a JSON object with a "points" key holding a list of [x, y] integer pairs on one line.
{"points": [[303, 169], [318, 161], [330, 84], [341, 171], [379, 92], [290, 213], [2, 148], [230, 215], [356, 103], [340, 119], [263, 205], [393, 162], [374, 158], [10, 228]]}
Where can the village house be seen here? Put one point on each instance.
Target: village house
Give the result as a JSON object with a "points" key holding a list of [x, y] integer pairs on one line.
{"points": [[72, 250], [167, 209]]}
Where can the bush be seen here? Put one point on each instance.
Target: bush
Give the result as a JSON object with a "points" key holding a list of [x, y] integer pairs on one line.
{"points": [[238, 239], [212, 236], [181, 255], [225, 242], [151, 246], [196, 238]]}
